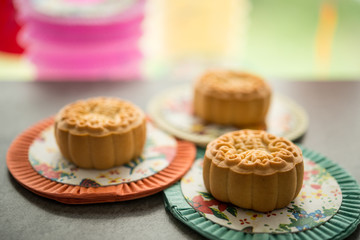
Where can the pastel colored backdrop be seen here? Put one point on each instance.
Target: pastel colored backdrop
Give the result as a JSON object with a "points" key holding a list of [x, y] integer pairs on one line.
{"points": [[295, 40]]}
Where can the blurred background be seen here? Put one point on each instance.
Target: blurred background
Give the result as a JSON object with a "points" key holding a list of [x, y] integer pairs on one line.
{"points": [[82, 40]]}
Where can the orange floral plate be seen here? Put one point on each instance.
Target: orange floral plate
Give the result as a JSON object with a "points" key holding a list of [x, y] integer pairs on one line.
{"points": [[21, 169]]}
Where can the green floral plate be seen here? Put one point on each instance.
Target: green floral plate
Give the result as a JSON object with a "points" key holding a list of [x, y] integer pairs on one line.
{"points": [[328, 207]]}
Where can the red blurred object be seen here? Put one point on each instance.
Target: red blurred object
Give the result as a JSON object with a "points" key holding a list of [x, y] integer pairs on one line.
{"points": [[9, 28]]}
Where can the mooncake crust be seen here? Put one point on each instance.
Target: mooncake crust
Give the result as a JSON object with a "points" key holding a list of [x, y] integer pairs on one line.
{"points": [[253, 169], [99, 116], [232, 98], [100, 132]]}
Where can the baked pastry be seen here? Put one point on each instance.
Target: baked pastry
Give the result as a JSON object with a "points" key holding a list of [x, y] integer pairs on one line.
{"points": [[253, 169], [101, 132], [232, 98]]}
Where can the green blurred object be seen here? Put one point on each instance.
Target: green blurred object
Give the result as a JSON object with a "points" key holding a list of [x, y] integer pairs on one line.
{"points": [[346, 52], [282, 39]]}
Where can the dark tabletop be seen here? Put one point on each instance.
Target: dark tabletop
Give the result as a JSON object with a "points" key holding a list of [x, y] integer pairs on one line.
{"points": [[334, 130]]}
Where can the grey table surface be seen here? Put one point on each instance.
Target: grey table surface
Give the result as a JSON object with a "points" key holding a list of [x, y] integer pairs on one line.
{"points": [[334, 112]]}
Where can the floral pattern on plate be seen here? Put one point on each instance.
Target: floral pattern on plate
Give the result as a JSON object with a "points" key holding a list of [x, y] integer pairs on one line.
{"points": [[319, 199], [46, 159], [173, 112]]}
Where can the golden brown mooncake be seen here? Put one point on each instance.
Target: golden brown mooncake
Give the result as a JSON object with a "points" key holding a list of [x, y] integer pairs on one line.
{"points": [[253, 169], [232, 98], [101, 132]]}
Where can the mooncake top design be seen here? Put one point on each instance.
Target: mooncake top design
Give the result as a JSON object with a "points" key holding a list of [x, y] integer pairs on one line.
{"points": [[99, 116], [226, 84], [254, 151]]}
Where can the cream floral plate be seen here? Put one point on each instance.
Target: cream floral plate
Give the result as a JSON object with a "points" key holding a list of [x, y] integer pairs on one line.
{"points": [[172, 111]]}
